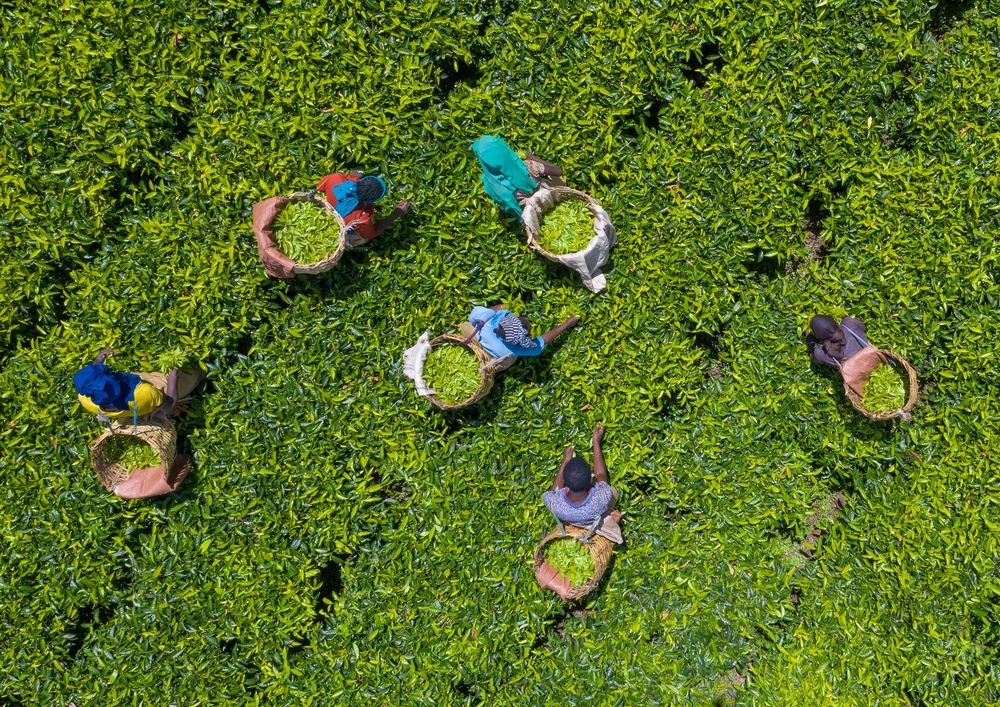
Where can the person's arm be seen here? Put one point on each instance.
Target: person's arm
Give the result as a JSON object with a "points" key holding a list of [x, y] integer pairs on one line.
{"points": [[402, 208], [548, 168], [557, 483], [498, 307], [99, 358], [819, 355], [549, 336], [600, 471]]}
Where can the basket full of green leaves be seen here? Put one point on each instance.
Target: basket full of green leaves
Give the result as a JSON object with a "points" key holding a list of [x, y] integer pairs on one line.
{"points": [[125, 448], [569, 227], [460, 372], [880, 384], [570, 567], [299, 234]]}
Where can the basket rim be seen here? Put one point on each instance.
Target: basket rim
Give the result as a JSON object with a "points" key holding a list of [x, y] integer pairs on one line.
{"points": [[563, 192], [342, 245], [600, 544], [913, 391], [482, 357]]}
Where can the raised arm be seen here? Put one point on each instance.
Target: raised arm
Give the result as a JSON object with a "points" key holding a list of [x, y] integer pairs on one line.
{"points": [[557, 483], [99, 358], [549, 336], [600, 471], [402, 208]]}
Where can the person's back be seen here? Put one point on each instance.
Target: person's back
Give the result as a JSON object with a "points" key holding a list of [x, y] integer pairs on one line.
{"points": [[578, 496]]}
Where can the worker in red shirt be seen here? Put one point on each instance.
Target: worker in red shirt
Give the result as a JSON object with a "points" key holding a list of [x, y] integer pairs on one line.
{"points": [[353, 195]]}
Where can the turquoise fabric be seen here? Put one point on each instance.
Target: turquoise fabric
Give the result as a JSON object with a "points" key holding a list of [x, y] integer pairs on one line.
{"points": [[503, 172]]}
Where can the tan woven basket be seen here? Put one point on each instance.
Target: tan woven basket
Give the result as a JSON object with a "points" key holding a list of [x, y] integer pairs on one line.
{"points": [[549, 577], [559, 195], [333, 258], [488, 368], [860, 367], [160, 435]]}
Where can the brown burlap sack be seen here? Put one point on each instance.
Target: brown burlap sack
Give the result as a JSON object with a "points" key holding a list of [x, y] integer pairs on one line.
{"points": [[276, 263], [856, 370], [550, 578]]}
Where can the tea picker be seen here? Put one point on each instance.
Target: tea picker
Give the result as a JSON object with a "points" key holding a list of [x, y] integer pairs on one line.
{"points": [[563, 225], [136, 457], [873, 378], [354, 195], [303, 234], [114, 397], [457, 369], [583, 505], [507, 337]]}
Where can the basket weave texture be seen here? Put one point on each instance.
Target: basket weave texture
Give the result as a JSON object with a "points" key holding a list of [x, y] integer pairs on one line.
{"points": [[549, 577], [858, 367], [158, 434], [275, 261], [488, 368]]}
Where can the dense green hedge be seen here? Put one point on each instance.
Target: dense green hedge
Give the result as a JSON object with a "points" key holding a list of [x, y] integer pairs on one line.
{"points": [[339, 540]]}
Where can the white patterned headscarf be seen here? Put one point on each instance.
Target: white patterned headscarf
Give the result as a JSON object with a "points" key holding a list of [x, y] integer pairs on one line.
{"points": [[512, 330]]}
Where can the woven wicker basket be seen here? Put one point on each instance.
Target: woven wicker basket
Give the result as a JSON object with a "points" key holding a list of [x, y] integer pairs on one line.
{"points": [[550, 578], [560, 194], [331, 259], [488, 368], [160, 435], [861, 365]]}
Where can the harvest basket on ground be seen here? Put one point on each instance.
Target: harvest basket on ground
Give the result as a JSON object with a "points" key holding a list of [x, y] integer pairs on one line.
{"points": [[857, 370], [488, 368], [550, 578], [590, 259], [154, 441], [276, 262]]}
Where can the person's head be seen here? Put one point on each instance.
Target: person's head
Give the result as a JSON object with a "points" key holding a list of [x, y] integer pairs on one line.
{"points": [[516, 331], [370, 189], [576, 475], [108, 389], [823, 326]]}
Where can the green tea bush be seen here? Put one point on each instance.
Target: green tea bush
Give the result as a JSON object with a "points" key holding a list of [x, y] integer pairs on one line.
{"points": [[339, 540]]}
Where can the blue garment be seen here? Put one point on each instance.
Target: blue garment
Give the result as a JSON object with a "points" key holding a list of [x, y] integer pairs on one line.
{"points": [[108, 389], [346, 194], [593, 507], [490, 339], [503, 172]]}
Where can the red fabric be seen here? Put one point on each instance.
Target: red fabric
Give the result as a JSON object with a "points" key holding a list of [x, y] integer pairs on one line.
{"points": [[361, 220]]}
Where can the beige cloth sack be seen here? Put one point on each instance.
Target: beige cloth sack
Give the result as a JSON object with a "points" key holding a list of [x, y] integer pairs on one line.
{"points": [[587, 262]]}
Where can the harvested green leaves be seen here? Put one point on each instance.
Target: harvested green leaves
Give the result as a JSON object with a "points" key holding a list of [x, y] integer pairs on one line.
{"points": [[305, 232], [884, 391], [131, 452], [568, 228], [571, 558], [452, 372]]}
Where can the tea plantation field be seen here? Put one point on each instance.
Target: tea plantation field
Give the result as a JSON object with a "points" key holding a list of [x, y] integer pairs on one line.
{"points": [[341, 542]]}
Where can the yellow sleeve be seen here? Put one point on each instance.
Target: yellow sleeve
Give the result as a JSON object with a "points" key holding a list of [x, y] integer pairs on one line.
{"points": [[88, 404], [146, 398]]}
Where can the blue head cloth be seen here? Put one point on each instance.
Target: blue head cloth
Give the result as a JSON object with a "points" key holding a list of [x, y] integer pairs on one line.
{"points": [[346, 194], [503, 172], [108, 389]]}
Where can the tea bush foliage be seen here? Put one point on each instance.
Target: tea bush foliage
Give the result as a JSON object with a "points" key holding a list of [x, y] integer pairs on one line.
{"points": [[340, 541]]}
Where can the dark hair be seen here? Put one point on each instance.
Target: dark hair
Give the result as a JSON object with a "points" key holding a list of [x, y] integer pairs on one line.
{"points": [[576, 475], [823, 326], [370, 190]]}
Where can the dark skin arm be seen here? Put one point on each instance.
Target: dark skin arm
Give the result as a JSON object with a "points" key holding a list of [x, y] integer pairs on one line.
{"points": [[99, 358], [548, 169], [600, 471], [549, 336], [402, 208], [557, 483]]}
